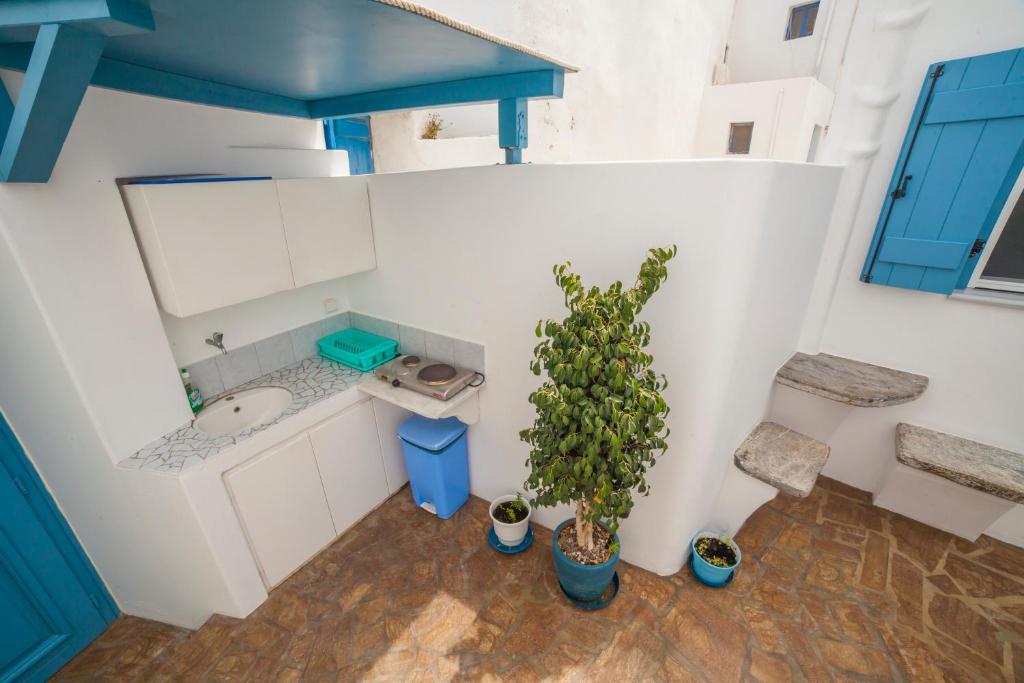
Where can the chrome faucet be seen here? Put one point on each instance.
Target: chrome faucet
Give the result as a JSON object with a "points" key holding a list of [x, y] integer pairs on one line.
{"points": [[218, 341]]}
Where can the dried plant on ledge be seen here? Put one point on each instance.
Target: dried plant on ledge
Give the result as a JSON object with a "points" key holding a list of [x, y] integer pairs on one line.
{"points": [[433, 126], [600, 415]]}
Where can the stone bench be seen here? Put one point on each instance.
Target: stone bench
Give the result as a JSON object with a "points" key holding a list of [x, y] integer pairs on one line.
{"points": [[950, 482], [985, 468], [850, 381]]}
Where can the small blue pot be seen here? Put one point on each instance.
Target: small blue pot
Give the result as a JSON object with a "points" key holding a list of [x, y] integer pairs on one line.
{"points": [[584, 582], [707, 573]]}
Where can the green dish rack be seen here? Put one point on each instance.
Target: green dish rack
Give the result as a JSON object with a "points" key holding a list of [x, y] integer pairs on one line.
{"points": [[358, 349]]}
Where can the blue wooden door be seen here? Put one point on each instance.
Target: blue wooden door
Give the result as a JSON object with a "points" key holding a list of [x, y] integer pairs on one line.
{"points": [[352, 135], [961, 157], [52, 604]]}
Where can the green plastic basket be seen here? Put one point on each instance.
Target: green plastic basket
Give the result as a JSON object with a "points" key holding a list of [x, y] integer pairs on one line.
{"points": [[358, 349]]}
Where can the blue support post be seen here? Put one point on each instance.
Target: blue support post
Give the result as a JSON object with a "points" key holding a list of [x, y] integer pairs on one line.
{"points": [[109, 17], [62, 62], [513, 134]]}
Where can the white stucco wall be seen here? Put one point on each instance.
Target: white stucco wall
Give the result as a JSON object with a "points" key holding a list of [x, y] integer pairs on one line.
{"points": [[970, 351], [89, 373], [643, 68], [759, 52], [784, 113], [77, 247], [726, 319]]}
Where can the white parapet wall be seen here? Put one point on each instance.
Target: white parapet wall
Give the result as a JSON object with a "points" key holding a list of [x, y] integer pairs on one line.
{"points": [[643, 67], [468, 252], [785, 113]]}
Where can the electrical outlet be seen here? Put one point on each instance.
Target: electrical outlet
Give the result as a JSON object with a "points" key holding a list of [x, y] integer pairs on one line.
{"points": [[330, 306]]}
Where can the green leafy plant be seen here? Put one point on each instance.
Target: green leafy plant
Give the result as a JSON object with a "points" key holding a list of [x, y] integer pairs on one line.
{"points": [[716, 551], [600, 415], [516, 509]]}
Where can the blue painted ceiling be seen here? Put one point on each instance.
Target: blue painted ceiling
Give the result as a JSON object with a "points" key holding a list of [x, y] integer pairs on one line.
{"points": [[308, 49]]}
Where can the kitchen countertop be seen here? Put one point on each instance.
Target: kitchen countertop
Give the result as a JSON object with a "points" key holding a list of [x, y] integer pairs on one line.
{"points": [[311, 381]]}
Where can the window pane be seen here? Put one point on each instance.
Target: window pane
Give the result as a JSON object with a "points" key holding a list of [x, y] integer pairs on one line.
{"points": [[740, 135], [812, 150], [1007, 259], [801, 20]]}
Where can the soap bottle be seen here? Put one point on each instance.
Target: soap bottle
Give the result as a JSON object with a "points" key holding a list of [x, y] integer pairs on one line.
{"points": [[195, 398]]}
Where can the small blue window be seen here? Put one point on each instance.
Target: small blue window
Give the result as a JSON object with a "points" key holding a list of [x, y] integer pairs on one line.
{"points": [[801, 20]]}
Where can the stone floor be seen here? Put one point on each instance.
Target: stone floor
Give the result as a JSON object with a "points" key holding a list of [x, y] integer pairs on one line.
{"points": [[831, 589]]}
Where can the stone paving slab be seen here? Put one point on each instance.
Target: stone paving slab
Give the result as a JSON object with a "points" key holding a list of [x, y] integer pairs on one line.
{"points": [[830, 589], [850, 381]]}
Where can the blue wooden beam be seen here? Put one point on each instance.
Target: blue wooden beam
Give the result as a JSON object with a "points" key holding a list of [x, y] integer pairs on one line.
{"points": [[513, 131], [142, 80], [63, 60], [485, 89], [6, 111], [109, 17]]}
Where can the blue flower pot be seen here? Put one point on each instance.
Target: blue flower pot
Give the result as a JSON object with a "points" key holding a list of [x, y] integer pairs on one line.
{"points": [[583, 582], [707, 573]]}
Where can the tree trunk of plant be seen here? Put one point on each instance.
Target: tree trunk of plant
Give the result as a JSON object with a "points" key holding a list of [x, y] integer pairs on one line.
{"points": [[584, 526]]}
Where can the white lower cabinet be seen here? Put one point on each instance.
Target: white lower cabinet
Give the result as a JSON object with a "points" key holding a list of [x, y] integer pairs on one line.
{"points": [[348, 453], [280, 500]]}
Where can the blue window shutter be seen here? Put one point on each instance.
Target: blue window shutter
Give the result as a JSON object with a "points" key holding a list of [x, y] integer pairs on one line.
{"points": [[961, 157], [353, 136]]}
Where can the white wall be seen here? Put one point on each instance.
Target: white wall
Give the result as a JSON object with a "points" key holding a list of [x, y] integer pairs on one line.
{"points": [[643, 68], [784, 113], [759, 52], [137, 529], [725, 320], [89, 373], [970, 351], [251, 321], [79, 252]]}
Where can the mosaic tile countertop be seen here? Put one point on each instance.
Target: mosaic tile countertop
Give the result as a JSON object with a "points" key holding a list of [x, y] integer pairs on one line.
{"points": [[311, 381]]}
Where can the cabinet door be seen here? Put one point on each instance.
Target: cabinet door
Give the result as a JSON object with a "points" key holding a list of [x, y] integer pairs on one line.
{"points": [[327, 221], [280, 500], [209, 245], [348, 453]]}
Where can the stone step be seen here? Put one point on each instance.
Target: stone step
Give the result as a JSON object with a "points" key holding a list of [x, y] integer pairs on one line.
{"points": [[778, 456], [850, 381], [976, 465]]}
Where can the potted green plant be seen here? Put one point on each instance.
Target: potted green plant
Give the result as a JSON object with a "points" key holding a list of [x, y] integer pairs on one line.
{"points": [[714, 557], [600, 420], [510, 518]]}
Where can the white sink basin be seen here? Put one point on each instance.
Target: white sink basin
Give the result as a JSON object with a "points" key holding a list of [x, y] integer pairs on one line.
{"points": [[242, 410]]}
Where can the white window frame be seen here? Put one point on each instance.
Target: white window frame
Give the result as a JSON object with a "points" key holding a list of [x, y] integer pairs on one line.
{"points": [[979, 282]]}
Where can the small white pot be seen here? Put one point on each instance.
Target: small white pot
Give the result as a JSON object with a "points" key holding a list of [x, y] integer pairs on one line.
{"points": [[510, 534]]}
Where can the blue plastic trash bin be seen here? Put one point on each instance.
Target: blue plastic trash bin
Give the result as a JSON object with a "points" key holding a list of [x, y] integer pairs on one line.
{"points": [[437, 459]]}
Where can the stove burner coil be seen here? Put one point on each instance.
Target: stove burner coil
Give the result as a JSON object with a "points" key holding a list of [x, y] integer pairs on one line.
{"points": [[437, 374]]}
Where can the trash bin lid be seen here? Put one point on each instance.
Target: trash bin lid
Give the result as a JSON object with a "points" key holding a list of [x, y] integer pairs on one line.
{"points": [[432, 435]]}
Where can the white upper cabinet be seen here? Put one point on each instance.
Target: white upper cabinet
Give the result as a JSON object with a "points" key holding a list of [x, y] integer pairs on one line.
{"points": [[210, 244], [327, 223], [348, 456]]}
